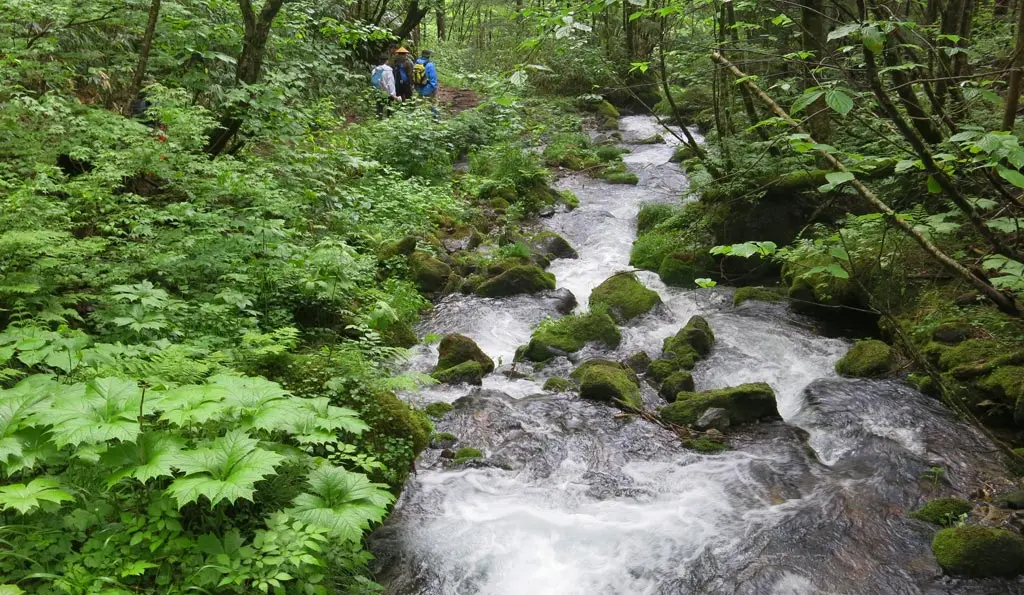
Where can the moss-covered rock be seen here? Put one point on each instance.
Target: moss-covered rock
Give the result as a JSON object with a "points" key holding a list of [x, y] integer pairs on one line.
{"points": [[943, 511], [971, 352], [621, 177], [681, 153], [696, 334], [399, 334], [760, 294], [705, 445], [552, 245], [556, 384], [608, 153], [662, 368], [429, 274], [638, 362], [582, 369], [952, 333], [437, 410], [866, 359], [570, 334], [392, 417], [516, 280], [1013, 500], [651, 215], [979, 552], [681, 269], [624, 296], [1006, 383], [677, 382], [745, 403], [403, 247], [456, 349], [443, 440], [468, 453], [470, 372], [610, 383], [606, 109]]}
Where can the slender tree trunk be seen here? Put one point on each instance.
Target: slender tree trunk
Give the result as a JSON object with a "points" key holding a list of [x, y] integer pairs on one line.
{"points": [[440, 16], [1004, 302], [1013, 92], [144, 50], [813, 36], [748, 99]]}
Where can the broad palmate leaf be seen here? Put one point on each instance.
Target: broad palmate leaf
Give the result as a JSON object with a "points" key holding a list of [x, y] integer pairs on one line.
{"points": [[25, 498], [226, 469], [342, 502], [153, 455], [104, 409]]}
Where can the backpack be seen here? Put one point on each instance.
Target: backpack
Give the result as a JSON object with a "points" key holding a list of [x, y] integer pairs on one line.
{"points": [[399, 73], [377, 78], [419, 74]]}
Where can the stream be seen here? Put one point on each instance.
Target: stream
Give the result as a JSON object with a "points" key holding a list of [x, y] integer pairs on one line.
{"points": [[574, 498]]}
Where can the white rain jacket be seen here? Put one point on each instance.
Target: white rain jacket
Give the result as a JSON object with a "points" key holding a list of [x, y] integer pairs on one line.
{"points": [[387, 79]]}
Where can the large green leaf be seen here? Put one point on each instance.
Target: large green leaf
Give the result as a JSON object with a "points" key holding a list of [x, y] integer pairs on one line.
{"points": [[1012, 176], [102, 410], [226, 469], [249, 398], [805, 100], [342, 502], [153, 455], [191, 404], [25, 498], [839, 101]]}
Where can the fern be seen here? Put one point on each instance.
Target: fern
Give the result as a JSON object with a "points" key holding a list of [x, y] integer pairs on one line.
{"points": [[342, 502], [227, 469]]}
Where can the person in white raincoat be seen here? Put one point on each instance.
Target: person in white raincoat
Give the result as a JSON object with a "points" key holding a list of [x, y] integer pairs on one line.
{"points": [[382, 78]]}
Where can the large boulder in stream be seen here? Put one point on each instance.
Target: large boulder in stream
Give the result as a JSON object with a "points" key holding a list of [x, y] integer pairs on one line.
{"points": [[682, 350], [624, 296], [978, 552], [470, 372], [744, 403], [516, 280], [569, 334], [866, 359], [456, 349], [552, 245], [428, 273], [609, 382]]}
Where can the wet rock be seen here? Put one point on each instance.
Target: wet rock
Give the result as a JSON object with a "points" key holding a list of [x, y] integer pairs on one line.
{"points": [[744, 403], [586, 366], [437, 410], [546, 212], [552, 245], [638, 362], [677, 382], [512, 371], [516, 280], [447, 453], [761, 294], [866, 359], [707, 444], [714, 418], [429, 273], [558, 385], [566, 301], [570, 334], [952, 332], [682, 350], [456, 349], [444, 441], [1013, 500], [624, 296], [979, 552], [610, 382], [943, 511], [470, 372]]}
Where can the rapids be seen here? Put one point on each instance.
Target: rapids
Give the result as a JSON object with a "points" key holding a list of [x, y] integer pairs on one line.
{"points": [[573, 498]]}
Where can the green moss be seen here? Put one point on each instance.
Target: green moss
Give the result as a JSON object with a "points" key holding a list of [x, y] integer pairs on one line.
{"points": [[866, 359], [943, 511], [661, 368], [470, 372], [558, 385], [624, 296], [971, 352], [677, 382], [606, 109], [705, 445], [745, 403], [922, 383], [403, 247], [610, 152], [437, 410], [516, 280], [610, 384], [569, 199], [979, 552], [953, 332], [468, 453], [696, 334], [429, 273], [682, 153], [621, 177], [445, 436], [761, 294], [682, 269], [638, 362], [551, 245], [651, 249], [610, 123], [399, 334], [499, 204], [456, 349], [652, 214], [395, 418], [570, 333], [582, 369]]}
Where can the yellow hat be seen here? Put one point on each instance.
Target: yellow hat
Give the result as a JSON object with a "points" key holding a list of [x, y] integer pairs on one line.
{"points": [[401, 51]]}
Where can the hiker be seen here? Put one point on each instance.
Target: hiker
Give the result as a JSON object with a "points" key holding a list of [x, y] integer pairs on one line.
{"points": [[424, 76], [383, 80], [403, 73]]}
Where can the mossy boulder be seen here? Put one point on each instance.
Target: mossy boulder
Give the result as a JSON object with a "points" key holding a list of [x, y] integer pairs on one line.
{"points": [[971, 352], [624, 296], [638, 362], [399, 334], [552, 245], [394, 418], [705, 445], [979, 552], [428, 273], [696, 334], [651, 215], [662, 368], [437, 410], [517, 280], [677, 382], [681, 269], [456, 349], [582, 369], [1013, 500], [608, 153], [760, 294], [403, 247], [605, 109], [468, 453], [866, 359], [744, 403], [943, 511], [610, 383], [952, 333], [470, 372], [556, 384], [681, 153], [621, 177], [570, 334]]}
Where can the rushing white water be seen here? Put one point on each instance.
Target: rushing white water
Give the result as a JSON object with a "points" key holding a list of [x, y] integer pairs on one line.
{"points": [[573, 499]]}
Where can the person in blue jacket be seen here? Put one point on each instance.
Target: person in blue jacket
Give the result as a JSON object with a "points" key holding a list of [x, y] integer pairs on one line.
{"points": [[427, 87]]}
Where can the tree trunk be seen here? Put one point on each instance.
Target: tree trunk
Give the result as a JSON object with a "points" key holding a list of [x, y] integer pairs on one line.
{"points": [[413, 15], [813, 36], [440, 17], [1013, 92], [147, 45], [1004, 302]]}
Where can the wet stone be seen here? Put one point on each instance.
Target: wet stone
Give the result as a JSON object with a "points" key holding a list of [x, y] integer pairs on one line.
{"points": [[715, 418]]}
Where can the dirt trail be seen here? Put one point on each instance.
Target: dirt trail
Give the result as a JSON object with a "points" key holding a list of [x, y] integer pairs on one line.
{"points": [[457, 100]]}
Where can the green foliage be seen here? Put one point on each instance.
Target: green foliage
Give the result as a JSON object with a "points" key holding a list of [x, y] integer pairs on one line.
{"points": [[943, 511]]}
